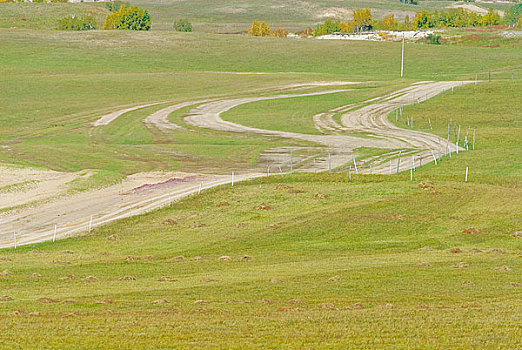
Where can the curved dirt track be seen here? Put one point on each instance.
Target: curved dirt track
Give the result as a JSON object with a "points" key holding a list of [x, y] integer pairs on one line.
{"points": [[369, 119], [72, 213]]}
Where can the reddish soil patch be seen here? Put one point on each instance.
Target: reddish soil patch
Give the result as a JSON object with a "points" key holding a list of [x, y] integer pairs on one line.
{"points": [[471, 231], [263, 207], [455, 251], [147, 188]]}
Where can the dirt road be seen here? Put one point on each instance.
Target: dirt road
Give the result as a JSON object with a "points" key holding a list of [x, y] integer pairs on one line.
{"points": [[140, 193]]}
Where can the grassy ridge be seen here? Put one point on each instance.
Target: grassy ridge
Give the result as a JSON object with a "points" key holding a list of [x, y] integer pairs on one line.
{"points": [[366, 233], [221, 15], [58, 83]]}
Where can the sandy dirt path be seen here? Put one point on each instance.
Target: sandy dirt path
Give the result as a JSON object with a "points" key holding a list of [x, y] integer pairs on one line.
{"points": [[138, 194]]}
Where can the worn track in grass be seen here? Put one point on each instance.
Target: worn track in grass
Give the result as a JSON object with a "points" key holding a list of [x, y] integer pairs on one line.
{"points": [[72, 213]]}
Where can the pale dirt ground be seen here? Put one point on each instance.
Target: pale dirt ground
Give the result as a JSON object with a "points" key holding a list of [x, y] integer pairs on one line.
{"points": [[43, 201]]}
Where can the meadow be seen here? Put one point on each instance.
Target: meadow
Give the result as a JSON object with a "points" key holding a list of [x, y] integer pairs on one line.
{"points": [[57, 83], [376, 262], [301, 261]]}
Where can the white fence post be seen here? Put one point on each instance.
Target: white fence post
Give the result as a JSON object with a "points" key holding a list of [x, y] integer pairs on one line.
{"points": [[232, 179], [434, 157], [54, 233], [467, 174], [399, 161], [14, 235]]}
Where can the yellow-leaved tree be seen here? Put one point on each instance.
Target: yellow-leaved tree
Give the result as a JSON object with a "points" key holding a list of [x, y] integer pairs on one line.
{"points": [[259, 28], [362, 19], [390, 23]]}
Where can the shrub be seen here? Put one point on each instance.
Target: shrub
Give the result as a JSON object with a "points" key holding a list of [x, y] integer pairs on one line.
{"points": [[259, 28], [182, 25], [433, 39], [307, 32], [76, 23], [330, 26], [280, 33], [132, 18]]}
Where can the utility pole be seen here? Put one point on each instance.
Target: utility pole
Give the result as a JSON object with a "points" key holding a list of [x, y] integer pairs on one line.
{"points": [[402, 58]]}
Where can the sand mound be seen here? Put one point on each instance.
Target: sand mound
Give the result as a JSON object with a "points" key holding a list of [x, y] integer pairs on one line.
{"points": [[36, 275], [424, 264], [224, 258], [245, 258], [127, 278], [6, 298], [355, 306], [295, 301], [161, 301], [208, 279], [263, 206], [321, 196], [200, 302], [274, 280], [167, 279], [461, 265], [334, 279], [5, 273], [196, 258], [496, 251], [517, 234], [455, 250], [222, 204], [169, 222], [264, 301], [475, 251], [104, 301], [471, 231], [3, 258], [89, 279], [68, 277], [113, 238], [425, 249], [69, 301], [503, 268], [273, 227]]}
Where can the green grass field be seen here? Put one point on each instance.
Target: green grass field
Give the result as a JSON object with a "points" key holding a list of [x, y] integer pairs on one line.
{"points": [[316, 261], [57, 83], [346, 270]]}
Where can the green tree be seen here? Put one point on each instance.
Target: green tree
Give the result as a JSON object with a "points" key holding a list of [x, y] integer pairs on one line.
{"points": [[422, 20], [512, 14], [132, 18], [491, 18], [182, 25], [330, 26]]}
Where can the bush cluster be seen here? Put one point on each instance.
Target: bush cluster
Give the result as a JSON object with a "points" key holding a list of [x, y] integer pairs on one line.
{"points": [[128, 18], [182, 25], [77, 23]]}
